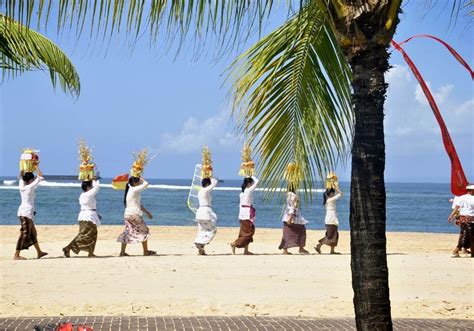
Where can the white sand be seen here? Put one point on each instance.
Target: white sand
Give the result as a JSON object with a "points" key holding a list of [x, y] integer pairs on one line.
{"points": [[424, 281]]}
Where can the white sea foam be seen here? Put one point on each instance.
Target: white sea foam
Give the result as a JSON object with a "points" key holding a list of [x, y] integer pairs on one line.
{"points": [[153, 186]]}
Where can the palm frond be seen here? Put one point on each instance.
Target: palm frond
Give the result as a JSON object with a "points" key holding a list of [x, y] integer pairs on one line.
{"points": [[229, 21], [292, 97], [22, 49]]}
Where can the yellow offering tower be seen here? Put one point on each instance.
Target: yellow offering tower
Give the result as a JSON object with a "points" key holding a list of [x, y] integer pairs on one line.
{"points": [[141, 160], [332, 181], [293, 175], [29, 160], [87, 167], [247, 167], [206, 170]]}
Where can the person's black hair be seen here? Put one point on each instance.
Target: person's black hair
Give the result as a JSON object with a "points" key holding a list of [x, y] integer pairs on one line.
{"points": [[247, 181], [291, 188], [86, 184], [326, 195], [131, 180], [206, 182], [27, 176]]}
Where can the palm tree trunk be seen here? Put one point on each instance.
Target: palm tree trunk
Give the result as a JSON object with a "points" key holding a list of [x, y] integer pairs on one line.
{"points": [[367, 205]]}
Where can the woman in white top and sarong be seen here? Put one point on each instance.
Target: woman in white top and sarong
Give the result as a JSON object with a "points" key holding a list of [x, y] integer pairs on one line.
{"points": [[331, 221], [246, 216], [136, 230], [88, 220], [294, 229], [464, 206], [205, 216], [26, 213]]}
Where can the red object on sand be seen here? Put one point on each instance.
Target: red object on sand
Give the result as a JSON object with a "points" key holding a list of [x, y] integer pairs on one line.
{"points": [[84, 328], [65, 327], [120, 182], [458, 178]]}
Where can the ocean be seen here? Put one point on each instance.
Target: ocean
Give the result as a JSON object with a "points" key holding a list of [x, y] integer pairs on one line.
{"points": [[411, 207]]}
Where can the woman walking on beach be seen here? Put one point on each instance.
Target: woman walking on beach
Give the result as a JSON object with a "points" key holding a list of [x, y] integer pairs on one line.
{"points": [[294, 229], [465, 207], [136, 230], [331, 221], [88, 220], [26, 213], [205, 216], [246, 216]]}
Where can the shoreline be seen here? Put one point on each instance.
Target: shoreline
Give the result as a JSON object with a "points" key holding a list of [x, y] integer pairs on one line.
{"points": [[424, 281], [192, 224]]}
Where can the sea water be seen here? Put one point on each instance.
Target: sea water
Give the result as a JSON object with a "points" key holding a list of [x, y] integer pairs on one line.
{"points": [[415, 207]]}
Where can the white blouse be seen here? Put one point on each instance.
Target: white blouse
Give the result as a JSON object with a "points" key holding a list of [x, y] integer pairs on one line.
{"points": [[331, 213], [27, 193], [133, 200], [466, 205], [246, 199], [292, 209], [89, 204], [204, 194]]}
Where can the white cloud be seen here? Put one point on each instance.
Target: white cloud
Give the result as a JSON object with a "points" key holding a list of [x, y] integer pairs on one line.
{"points": [[214, 132], [410, 125], [398, 74], [440, 95], [465, 108]]}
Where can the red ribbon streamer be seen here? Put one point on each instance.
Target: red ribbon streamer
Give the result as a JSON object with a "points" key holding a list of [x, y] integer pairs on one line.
{"points": [[458, 179], [445, 44]]}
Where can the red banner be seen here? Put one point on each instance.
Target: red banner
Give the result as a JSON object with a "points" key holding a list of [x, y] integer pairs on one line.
{"points": [[458, 179]]}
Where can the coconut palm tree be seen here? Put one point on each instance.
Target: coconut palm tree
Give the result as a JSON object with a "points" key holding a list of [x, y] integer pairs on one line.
{"points": [[22, 49], [308, 92]]}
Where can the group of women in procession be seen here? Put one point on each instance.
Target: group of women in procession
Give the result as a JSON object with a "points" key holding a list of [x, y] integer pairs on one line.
{"points": [[137, 231]]}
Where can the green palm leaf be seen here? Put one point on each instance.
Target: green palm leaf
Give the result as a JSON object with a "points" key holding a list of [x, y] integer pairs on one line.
{"points": [[228, 21], [22, 49], [292, 95]]}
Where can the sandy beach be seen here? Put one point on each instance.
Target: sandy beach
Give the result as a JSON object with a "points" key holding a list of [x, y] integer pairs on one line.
{"points": [[424, 281]]}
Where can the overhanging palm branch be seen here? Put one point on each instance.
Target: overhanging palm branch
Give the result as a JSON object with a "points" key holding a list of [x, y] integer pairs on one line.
{"points": [[22, 49], [292, 95], [228, 21]]}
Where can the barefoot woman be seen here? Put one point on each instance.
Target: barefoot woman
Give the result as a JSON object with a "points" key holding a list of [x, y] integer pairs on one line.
{"points": [[331, 221], [136, 229], [294, 228], [246, 216], [26, 213], [88, 220]]}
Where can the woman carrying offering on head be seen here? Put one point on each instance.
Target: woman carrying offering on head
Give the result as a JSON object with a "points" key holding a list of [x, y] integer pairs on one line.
{"points": [[246, 208], [26, 212], [136, 230], [205, 216], [88, 217], [294, 229], [331, 221]]}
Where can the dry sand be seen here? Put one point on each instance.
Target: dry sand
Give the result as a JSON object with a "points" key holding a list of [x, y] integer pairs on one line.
{"points": [[424, 281]]}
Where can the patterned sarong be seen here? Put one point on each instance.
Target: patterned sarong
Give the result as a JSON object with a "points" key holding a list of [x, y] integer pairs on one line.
{"points": [[466, 224], [206, 232], [28, 236], [86, 238], [136, 230]]}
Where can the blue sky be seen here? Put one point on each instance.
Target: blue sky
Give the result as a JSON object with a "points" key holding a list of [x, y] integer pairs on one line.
{"points": [[174, 106]]}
